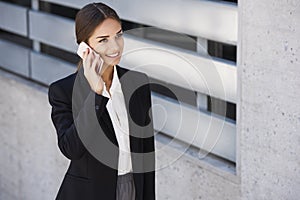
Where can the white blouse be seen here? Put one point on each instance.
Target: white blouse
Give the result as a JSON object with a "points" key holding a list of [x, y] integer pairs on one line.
{"points": [[117, 112]]}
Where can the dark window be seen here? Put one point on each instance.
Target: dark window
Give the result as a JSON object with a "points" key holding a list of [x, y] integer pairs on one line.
{"points": [[160, 35], [229, 1], [59, 53], [221, 50], [233, 1], [26, 3], [221, 107], [20, 40], [58, 9], [172, 91]]}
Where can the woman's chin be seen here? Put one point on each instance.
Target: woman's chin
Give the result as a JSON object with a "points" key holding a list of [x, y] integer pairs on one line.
{"points": [[110, 62]]}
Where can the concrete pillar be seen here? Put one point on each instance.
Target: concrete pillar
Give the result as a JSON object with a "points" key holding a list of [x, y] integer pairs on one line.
{"points": [[269, 99]]}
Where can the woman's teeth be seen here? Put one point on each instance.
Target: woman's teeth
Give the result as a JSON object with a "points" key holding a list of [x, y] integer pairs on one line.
{"points": [[113, 55]]}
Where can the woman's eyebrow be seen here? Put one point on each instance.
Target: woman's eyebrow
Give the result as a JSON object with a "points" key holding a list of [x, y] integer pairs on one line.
{"points": [[106, 36]]}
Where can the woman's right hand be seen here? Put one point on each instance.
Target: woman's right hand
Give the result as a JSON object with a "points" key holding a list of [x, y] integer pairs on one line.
{"points": [[92, 64]]}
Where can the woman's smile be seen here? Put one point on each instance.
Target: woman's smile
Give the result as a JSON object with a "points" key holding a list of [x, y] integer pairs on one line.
{"points": [[114, 55]]}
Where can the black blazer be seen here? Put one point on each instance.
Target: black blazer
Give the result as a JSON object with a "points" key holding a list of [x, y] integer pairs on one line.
{"points": [[86, 136]]}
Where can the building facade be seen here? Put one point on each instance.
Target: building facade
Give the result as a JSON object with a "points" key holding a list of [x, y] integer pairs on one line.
{"points": [[225, 82]]}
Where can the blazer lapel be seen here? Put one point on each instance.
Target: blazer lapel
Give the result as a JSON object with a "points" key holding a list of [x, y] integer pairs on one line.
{"points": [[129, 85]]}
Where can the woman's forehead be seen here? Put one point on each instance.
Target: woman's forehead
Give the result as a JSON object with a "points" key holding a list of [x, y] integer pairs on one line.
{"points": [[107, 28]]}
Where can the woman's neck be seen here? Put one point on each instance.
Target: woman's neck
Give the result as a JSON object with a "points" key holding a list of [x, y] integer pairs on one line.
{"points": [[107, 75]]}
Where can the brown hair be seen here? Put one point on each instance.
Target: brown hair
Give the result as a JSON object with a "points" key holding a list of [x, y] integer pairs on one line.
{"points": [[88, 18]]}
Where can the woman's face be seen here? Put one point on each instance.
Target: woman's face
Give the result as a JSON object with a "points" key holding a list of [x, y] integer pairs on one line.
{"points": [[107, 40]]}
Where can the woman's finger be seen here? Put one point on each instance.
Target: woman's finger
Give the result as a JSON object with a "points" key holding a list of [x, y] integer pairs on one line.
{"points": [[85, 59], [94, 66], [95, 62], [90, 58], [85, 53]]}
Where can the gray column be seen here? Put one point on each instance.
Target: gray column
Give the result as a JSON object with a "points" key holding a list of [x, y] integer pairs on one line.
{"points": [[201, 49], [36, 44]]}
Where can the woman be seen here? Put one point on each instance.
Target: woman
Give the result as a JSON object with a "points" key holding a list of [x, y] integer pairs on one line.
{"points": [[102, 119]]}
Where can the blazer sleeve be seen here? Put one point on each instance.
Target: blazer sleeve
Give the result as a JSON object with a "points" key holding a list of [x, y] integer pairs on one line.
{"points": [[69, 141], [149, 146]]}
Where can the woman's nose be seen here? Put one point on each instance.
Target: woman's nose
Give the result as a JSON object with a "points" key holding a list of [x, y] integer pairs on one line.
{"points": [[114, 46]]}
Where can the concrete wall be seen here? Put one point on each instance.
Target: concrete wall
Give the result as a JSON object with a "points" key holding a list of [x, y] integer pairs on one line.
{"points": [[31, 165], [269, 81]]}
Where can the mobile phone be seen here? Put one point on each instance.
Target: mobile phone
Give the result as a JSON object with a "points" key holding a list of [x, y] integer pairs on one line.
{"points": [[82, 48]]}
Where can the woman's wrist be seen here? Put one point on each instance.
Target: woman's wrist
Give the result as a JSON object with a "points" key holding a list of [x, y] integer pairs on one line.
{"points": [[99, 90]]}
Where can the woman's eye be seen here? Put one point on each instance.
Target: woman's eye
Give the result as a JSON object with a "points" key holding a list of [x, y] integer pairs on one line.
{"points": [[103, 40], [119, 35]]}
